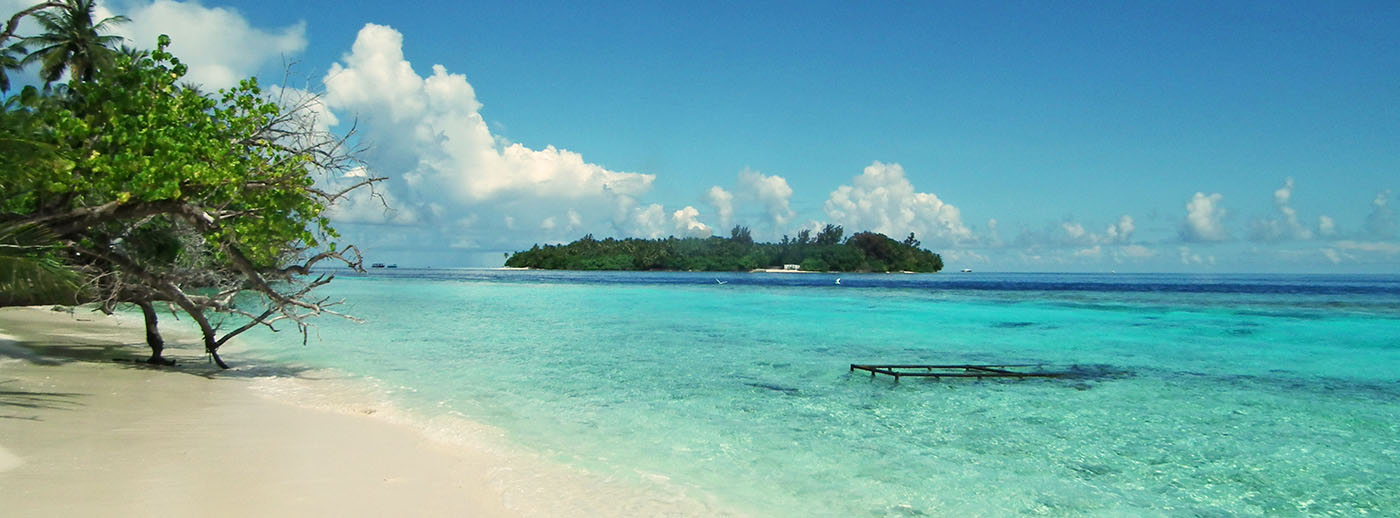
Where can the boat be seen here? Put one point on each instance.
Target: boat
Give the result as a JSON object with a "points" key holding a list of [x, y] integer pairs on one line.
{"points": [[377, 265], [392, 265], [967, 270]]}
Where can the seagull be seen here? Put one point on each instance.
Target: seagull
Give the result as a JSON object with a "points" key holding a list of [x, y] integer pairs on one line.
{"points": [[838, 280], [717, 281]]}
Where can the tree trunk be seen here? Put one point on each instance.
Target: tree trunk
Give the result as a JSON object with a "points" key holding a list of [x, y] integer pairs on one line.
{"points": [[153, 338]]}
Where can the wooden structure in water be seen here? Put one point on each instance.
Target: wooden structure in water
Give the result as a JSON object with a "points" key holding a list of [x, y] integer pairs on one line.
{"points": [[959, 371]]}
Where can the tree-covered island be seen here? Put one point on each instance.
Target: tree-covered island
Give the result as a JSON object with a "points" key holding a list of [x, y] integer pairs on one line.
{"points": [[826, 251]]}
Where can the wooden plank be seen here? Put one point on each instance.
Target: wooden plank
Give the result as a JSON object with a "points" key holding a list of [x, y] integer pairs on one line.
{"points": [[954, 371]]}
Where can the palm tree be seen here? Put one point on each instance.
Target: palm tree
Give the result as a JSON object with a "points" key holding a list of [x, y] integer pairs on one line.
{"points": [[72, 42], [11, 57], [30, 272]]}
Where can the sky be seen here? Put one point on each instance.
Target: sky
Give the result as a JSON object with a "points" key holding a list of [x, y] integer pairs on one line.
{"points": [[1204, 137]]}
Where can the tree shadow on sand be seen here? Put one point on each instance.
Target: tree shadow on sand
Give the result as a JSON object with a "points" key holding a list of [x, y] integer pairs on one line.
{"points": [[14, 399]]}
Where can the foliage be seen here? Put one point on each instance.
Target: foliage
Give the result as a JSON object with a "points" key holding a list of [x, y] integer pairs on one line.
{"points": [[740, 234], [830, 235], [32, 269], [158, 192], [863, 252], [72, 41], [11, 58]]}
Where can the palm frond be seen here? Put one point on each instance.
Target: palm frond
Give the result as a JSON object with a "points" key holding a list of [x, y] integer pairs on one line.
{"points": [[30, 269]]}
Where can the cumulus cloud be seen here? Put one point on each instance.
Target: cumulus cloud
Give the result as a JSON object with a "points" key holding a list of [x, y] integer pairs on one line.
{"points": [[772, 192], [723, 203], [1121, 232], [1189, 258], [427, 134], [1380, 223], [1326, 227], [1284, 224], [1204, 219], [371, 206], [687, 223], [653, 222], [1075, 234], [217, 43], [883, 200]]}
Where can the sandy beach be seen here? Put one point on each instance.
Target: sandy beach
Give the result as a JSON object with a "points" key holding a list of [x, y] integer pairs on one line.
{"points": [[83, 435], [87, 429]]}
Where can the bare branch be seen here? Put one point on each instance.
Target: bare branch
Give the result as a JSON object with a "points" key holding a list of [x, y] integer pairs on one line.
{"points": [[13, 24]]}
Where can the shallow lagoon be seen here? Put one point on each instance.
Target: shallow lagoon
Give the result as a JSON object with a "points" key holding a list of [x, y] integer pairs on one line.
{"points": [[1216, 396]]}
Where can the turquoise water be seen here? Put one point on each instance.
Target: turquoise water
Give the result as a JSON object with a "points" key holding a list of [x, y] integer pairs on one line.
{"points": [[1206, 396]]}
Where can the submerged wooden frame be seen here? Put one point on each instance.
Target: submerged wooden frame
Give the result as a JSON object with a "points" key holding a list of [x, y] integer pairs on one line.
{"points": [[957, 371]]}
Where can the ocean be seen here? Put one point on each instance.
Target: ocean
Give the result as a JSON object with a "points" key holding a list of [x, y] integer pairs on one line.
{"points": [[1220, 395]]}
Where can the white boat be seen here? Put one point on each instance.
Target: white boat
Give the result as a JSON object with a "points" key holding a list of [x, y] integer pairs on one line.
{"points": [[967, 270]]}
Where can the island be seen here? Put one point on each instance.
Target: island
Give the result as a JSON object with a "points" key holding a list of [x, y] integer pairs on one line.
{"points": [[826, 251]]}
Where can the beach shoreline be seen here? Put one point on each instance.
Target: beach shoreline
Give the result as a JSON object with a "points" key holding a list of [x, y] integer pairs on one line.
{"points": [[86, 428], [82, 434]]}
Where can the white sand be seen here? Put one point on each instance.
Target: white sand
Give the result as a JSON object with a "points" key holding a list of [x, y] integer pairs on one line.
{"points": [[82, 435]]}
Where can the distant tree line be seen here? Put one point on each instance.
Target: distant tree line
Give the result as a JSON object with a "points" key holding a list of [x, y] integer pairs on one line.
{"points": [[825, 251]]}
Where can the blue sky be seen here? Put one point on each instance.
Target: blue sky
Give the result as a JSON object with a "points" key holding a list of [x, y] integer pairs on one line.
{"points": [[1020, 136]]}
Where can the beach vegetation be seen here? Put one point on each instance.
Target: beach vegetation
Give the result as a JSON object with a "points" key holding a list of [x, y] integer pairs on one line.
{"points": [[862, 252], [151, 191], [72, 41], [32, 268]]}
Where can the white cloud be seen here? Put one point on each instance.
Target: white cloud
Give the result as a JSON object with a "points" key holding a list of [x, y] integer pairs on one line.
{"points": [[1380, 222], [427, 134], [1187, 257], [1381, 247], [648, 222], [1283, 225], [723, 203], [1204, 219], [884, 201], [369, 205], [1137, 251], [771, 191], [217, 43], [1076, 233], [1121, 232], [1332, 255], [993, 238], [687, 223], [1326, 227], [652, 222], [1094, 251], [963, 256]]}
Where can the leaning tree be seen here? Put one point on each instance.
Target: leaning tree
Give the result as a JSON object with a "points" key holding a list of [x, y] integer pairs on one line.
{"points": [[215, 204]]}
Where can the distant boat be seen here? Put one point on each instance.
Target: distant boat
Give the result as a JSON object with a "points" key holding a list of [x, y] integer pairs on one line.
{"points": [[377, 265], [838, 280], [392, 266], [967, 270]]}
